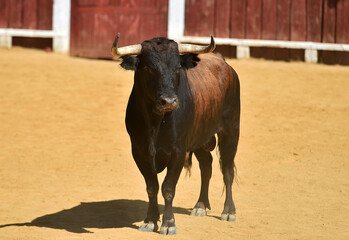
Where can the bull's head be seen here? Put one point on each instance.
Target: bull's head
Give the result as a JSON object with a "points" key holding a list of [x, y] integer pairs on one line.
{"points": [[157, 64]]}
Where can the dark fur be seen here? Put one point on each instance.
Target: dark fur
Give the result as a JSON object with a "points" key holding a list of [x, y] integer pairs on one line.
{"points": [[209, 103]]}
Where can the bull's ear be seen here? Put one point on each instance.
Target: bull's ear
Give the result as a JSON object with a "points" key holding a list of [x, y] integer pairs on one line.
{"points": [[189, 60], [129, 62]]}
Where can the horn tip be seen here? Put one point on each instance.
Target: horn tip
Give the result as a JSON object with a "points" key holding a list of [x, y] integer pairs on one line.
{"points": [[115, 45], [213, 43]]}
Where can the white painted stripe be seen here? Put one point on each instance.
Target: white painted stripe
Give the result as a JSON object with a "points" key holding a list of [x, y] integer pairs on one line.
{"points": [[26, 33], [176, 19], [61, 25], [267, 43], [311, 55]]}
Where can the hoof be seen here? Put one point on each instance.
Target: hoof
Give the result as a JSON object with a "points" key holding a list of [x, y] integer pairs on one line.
{"points": [[168, 230], [228, 217], [168, 227], [200, 212], [148, 227]]}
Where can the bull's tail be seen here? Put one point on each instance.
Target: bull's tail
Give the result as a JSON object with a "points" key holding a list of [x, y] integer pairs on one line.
{"points": [[188, 162]]}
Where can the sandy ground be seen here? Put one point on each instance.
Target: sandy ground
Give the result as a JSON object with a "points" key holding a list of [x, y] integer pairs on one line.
{"points": [[67, 170]]}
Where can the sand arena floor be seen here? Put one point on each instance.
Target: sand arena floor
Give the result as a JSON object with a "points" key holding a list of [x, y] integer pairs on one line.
{"points": [[67, 171]]}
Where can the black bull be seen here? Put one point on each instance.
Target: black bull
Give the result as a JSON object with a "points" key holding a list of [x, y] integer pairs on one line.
{"points": [[178, 103]]}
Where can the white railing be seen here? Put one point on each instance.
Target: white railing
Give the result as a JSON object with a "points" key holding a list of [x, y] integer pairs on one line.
{"points": [[60, 32]]}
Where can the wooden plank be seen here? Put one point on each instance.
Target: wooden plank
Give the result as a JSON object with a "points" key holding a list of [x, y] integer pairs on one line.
{"points": [[153, 24], [298, 20], [297, 55], [237, 19], [33, 42], [199, 18], [283, 20], [342, 28], [259, 52], [4, 13], [268, 29], [73, 49], [15, 14], [226, 50], [334, 57], [162, 6], [314, 20], [30, 14], [283, 28], [253, 19], [86, 2], [45, 8], [222, 18], [149, 26], [329, 23], [145, 3], [93, 27], [269, 20], [191, 19]]}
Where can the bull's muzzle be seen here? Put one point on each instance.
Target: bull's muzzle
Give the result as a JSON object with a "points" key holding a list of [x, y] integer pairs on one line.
{"points": [[167, 104]]}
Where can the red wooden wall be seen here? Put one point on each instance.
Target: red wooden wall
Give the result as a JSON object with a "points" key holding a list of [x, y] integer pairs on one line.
{"points": [[26, 14], [291, 20], [94, 24]]}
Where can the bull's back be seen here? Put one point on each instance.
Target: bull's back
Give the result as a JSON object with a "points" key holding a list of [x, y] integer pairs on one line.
{"points": [[209, 84]]}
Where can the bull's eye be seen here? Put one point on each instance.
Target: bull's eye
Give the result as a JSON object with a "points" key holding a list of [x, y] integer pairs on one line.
{"points": [[149, 70]]}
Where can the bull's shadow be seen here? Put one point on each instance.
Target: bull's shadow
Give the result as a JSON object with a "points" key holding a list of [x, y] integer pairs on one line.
{"points": [[110, 214]]}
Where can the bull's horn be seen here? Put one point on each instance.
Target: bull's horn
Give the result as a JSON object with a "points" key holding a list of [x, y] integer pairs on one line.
{"points": [[190, 48], [128, 50]]}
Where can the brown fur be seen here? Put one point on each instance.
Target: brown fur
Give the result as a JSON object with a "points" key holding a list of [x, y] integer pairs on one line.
{"points": [[210, 145], [208, 82]]}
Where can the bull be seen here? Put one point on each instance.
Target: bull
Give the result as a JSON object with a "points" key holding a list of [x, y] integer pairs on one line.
{"points": [[183, 96]]}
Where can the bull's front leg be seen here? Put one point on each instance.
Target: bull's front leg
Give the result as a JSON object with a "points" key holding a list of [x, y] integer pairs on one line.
{"points": [[151, 180], [150, 223], [168, 188]]}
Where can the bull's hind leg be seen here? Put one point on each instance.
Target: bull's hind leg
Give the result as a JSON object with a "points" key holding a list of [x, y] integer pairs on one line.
{"points": [[227, 142], [205, 163]]}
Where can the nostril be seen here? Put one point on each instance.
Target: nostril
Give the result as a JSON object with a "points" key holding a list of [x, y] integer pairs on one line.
{"points": [[168, 102], [163, 101], [175, 102]]}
